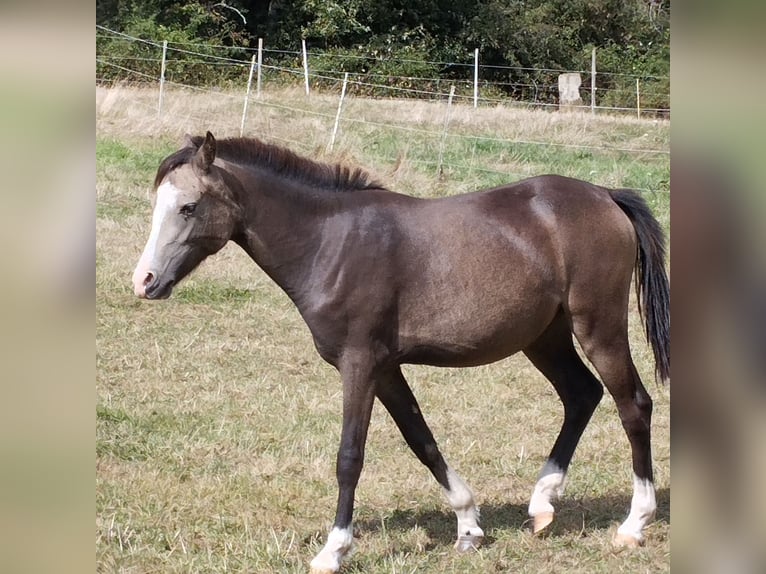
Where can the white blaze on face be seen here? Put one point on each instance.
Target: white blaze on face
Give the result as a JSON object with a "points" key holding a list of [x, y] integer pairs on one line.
{"points": [[168, 199]]}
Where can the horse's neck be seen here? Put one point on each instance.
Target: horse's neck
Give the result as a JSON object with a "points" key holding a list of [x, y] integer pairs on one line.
{"points": [[282, 229]]}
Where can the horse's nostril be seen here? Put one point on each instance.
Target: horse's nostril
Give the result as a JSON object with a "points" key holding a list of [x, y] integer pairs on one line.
{"points": [[148, 279]]}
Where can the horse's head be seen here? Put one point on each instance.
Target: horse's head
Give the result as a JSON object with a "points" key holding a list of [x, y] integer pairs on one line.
{"points": [[194, 216]]}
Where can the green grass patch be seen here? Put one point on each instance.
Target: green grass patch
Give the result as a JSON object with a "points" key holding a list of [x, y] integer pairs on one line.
{"points": [[211, 292], [141, 159]]}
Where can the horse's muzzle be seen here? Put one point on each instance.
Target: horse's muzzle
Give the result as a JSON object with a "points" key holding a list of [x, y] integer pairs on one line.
{"points": [[156, 288], [148, 285], [140, 283]]}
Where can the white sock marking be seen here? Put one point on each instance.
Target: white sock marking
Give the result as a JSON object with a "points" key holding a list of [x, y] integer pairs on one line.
{"points": [[338, 545], [461, 500], [549, 487], [642, 509]]}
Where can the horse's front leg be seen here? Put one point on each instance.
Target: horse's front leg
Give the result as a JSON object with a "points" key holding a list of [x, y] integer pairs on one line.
{"points": [[358, 397]]}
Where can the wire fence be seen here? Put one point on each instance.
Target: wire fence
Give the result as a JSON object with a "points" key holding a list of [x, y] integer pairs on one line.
{"points": [[130, 74], [128, 58]]}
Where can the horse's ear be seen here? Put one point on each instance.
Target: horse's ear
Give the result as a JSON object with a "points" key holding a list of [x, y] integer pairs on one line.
{"points": [[187, 141], [205, 155]]}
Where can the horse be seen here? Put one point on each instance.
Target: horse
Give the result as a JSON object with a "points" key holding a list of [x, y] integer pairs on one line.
{"points": [[382, 279]]}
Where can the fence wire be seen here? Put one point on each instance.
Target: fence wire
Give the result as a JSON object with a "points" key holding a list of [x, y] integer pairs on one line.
{"points": [[121, 63]]}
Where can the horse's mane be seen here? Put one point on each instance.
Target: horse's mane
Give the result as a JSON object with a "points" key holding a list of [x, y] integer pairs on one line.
{"points": [[278, 160]]}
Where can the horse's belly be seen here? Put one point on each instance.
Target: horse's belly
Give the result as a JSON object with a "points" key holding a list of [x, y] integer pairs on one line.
{"points": [[473, 335]]}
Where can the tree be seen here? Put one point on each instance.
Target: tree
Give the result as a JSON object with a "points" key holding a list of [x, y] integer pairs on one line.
{"points": [[404, 38]]}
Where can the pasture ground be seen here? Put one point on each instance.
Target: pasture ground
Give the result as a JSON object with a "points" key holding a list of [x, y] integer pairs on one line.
{"points": [[217, 423]]}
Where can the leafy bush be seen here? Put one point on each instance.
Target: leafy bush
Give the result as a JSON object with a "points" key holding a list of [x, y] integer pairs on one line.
{"points": [[194, 34], [385, 44]]}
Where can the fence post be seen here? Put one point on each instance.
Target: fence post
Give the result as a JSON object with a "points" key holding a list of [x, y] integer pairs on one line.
{"points": [[475, 78], [162, 77], [260, 61], [337, 115], [305, 67], [593, 81], [439, 170], [638, 100], [247, 97]]}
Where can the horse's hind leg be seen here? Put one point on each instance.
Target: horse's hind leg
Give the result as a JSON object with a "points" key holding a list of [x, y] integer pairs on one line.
{"points": [[603, 335], [553, 353], [396, 396]]}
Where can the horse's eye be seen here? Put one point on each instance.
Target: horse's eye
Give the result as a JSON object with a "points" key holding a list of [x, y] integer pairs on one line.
{"points": [[188, 209]]}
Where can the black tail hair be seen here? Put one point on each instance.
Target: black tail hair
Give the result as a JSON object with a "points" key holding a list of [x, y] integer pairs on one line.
{"points": [[652, 285]]}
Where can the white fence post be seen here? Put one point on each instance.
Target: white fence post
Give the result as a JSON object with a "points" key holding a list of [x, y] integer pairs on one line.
{"points": [[247, 97], [337, 115], [306, 67], [439, 170], [162, 77], [593, 81], [260, 61], [638, 100], [475, 78]]}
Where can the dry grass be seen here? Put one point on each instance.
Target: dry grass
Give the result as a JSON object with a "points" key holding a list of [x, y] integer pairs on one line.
{"points": [[305, 125], [217, 423]]}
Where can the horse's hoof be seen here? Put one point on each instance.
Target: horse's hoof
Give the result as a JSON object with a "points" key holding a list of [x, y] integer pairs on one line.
{"points": [[324, 566], [626, 541], [467, 543], [541, 521]]}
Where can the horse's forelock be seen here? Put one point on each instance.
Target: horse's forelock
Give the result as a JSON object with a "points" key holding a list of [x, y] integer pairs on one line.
{"points": [[173, 161]]}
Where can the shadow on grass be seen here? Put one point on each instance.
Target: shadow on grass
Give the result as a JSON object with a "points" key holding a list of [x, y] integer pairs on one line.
{"points": [[583, 516]]}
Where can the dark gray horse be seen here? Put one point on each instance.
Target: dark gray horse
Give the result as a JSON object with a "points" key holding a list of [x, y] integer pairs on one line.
{"points": [[383, 279]]}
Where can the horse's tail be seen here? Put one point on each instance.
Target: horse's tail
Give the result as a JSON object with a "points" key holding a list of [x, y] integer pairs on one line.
{"points": [[652, 286]]}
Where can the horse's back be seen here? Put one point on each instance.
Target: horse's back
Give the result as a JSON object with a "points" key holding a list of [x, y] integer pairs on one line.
{"points": [[547, 226]]}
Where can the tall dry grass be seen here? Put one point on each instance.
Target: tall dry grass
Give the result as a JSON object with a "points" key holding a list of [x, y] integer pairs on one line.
{"points": [[305, 124]]}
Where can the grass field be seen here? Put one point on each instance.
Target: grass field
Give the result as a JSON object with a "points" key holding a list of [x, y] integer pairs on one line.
{"points": [[217, 423]]}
